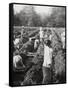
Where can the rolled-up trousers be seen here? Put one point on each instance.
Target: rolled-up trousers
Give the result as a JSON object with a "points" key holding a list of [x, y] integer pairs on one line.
{"points": [[47, 74]]}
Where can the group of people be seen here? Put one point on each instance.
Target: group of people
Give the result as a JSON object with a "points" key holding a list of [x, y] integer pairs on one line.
{"points": [[45, 39], [31, 45]]}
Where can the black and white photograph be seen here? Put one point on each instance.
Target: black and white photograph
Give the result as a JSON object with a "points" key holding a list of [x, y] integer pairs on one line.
{"points": [[38, 45]]}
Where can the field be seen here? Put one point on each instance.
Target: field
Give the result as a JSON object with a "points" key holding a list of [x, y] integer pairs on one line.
{"points": [[34, 59], [33, 29]]}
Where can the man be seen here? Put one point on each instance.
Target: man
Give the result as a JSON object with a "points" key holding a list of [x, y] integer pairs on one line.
{"points": [[16, 43], [47, 62], [41, 34], [17, 62], [63, 39], [36, 44]]}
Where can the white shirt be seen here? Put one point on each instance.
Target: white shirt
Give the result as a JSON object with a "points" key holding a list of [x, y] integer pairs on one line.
{"points": [[36, 43], [16, 42], [47, 56], [63, 39], [41, 32], [16, 59]]}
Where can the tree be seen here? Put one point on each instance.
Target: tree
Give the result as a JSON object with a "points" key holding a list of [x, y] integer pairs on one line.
{"points": [[17, 21], [57, 18], [27, 17]]}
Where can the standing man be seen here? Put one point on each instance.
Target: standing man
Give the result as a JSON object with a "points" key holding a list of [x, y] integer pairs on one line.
{"points": [[41, 34], [63, 39], [47, 62]]}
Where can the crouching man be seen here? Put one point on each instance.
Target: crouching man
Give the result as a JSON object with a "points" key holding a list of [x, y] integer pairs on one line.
{"points": [[47, 62], [18, 62]]}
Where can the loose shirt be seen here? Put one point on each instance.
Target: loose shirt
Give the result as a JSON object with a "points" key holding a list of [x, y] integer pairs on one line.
{"points": [[47, 56]]}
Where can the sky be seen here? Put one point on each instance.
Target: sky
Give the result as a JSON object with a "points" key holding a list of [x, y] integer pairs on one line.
{"points": [[42, 10]]}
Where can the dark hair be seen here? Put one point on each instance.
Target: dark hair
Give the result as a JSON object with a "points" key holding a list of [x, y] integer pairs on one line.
{"points": [[48, 43]]}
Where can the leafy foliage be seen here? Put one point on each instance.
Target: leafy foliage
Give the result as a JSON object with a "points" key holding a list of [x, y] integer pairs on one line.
{"points": [[28, 17]]}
